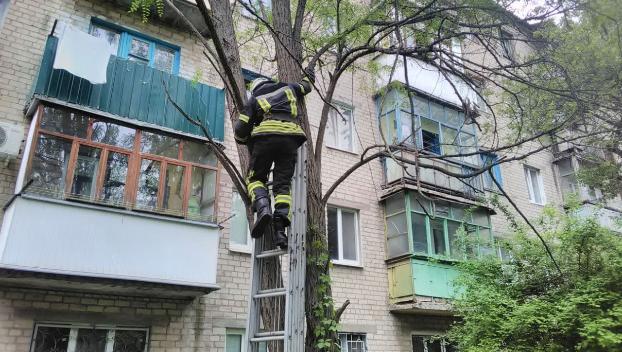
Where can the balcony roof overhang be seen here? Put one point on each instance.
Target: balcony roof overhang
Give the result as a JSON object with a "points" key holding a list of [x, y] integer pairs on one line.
{"points": [[16, 277], [424, 306], [188, 8]]}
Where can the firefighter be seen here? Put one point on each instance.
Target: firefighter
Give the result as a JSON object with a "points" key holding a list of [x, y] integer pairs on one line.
{"points": [[270, 127]]}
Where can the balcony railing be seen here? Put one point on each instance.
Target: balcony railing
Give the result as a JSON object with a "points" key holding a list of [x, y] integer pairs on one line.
{"points": [[434, 179], [415, 277], [135, 91]]}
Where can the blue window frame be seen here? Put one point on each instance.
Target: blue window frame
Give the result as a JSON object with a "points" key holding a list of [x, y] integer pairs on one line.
{"points": [[132, 45], [488, 159], [436, 128]]}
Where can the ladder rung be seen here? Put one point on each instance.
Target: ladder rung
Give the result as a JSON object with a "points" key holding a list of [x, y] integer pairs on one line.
{"points": [[271, 253], [269, 336], [271, 293]]}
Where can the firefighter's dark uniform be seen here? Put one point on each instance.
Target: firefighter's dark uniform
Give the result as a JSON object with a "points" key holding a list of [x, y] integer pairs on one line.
{"points": [[270, 127]]}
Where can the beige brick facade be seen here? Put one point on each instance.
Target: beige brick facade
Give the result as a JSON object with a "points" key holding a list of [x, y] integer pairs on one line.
{"points": [[200, 325]]}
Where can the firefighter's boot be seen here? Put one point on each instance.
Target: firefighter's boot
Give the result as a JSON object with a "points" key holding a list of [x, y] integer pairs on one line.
{"points": [[280, 238], [264, 213]]}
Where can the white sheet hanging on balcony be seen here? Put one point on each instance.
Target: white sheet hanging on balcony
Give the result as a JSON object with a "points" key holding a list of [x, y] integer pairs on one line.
{"points": [[82, 55]]}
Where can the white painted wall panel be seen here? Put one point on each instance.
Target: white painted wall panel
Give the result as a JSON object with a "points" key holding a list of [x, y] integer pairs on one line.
{"points": [[65, 238], [426, 78]]}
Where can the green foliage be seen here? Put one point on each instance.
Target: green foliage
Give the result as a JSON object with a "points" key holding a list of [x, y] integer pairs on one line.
{"points": [[524, 305], [145, 8]]}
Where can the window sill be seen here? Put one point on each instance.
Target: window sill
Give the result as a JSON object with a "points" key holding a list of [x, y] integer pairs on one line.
{"points": [[535, 203], [240, 249], [120, 211], [347, 264], [342, 150]]}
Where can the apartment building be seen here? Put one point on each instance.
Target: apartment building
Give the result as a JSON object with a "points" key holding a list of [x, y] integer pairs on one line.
{"points": [[117, 232]]}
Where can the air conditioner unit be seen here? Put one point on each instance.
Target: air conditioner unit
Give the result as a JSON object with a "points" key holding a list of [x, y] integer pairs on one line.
{"points": [[11, 135]]}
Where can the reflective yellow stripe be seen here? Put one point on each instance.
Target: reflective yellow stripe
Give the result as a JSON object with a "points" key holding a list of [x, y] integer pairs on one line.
{"points": [[302, 88], [263, 103], [253, 186], [292, 102], [283, 198], [244, 118], [281, 127], [240, 139]]}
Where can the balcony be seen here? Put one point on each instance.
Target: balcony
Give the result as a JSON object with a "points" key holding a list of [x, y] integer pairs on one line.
{"points": [[433, 179], [57, 244], [133, 93]]}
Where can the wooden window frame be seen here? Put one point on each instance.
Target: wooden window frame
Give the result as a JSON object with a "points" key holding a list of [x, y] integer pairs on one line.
{"points": [[135, 157]]}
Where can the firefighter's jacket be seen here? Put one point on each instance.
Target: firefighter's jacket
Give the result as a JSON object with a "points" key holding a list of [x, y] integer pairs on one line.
{"points": [[272, 110]]}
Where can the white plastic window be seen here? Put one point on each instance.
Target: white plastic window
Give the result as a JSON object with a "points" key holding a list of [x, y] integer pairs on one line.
{"points": [[343, 236], [353, 342], [535, 185], [340, 129]]}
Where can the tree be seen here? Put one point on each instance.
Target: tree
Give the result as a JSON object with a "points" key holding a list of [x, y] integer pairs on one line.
{"points": [[343, 36], [526, 305]]}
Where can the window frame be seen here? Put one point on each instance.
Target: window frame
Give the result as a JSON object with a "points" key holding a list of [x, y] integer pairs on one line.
{"points": [[125, 40], [357, 235], [242, 333], [334, 115], [342, 335], [530, 190], [428, 335], [245, 13], [410, 209], [507, 43], [234, 246], [488, 157], [74, 327], [136, 156]]}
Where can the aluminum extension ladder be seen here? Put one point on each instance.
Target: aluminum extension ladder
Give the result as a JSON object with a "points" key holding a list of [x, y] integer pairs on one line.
{"points": [[279, 296]]}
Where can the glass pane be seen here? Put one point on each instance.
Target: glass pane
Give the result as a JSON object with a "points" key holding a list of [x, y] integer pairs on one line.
{"points": [[437, 113], [481, 217], [535, 183], [396, 225], [139, 49], [199, 153], [565, 167], [420, 237], [459, 213], [486, 246], [397, 246], [333, 235], [49, 165], [434, 345], [148, 184], [450, 141], [129, 341], [164, 58], [418, 344], [91, 340], [64, 121], [111, 37], [419, 204], [345, 129], [471, 241], [348, 234], [455, 245], [113, 189], [394, 204], [430, 135], [50, 339], [438, 236], [239, 223], [331, 129], [441, 209], [85, 174], [203, 194], [174, 189], [469, 145], [233, 343], [453, 117], [159, 145], [389, 127], [113, 134], [406, 128], [421, 106]]}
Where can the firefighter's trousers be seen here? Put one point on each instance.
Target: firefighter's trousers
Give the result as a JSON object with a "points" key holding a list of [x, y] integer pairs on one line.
{"points": [[279, 150]]}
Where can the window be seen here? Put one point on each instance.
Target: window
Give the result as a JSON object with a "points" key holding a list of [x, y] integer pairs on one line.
{"points": [[426, 343], [437, 228], [256, 6], [139, 48], [343, 235], [534, 185], [353, 342], [567, 177], [92, 338], [235, 341], [507, 44], [436, 128], [340, 129], [4, 8], [84, 158], [239, 233], [489, 159]]}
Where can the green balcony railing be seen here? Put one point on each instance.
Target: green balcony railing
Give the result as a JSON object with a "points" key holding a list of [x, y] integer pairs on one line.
{"points": [[135, 91]]}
